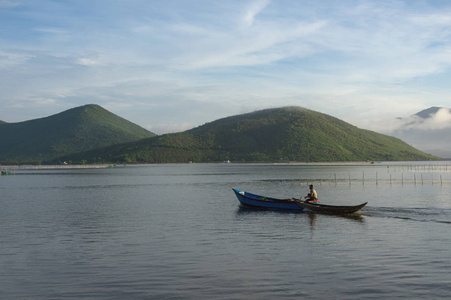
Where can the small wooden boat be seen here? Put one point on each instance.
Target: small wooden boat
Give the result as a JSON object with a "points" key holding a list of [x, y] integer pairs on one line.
{"points": [[257, 201], [331, 208]]}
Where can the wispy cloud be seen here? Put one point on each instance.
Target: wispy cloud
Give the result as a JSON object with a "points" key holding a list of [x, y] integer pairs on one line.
{"points": [[169, 127], [88, 62], [13, 58], [437, 121], [253, 10], [427, 133]]}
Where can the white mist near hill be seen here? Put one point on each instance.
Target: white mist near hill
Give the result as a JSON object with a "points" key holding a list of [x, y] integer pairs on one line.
{"points": [[428, 130]]}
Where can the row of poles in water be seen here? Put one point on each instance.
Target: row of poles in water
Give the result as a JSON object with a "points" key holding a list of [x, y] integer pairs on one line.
{"points": [[420, 180]]}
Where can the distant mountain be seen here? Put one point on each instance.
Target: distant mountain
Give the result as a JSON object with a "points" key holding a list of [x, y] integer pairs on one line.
{"points": [[281, 134], [428, 130], [75, 130], [431, 112]]}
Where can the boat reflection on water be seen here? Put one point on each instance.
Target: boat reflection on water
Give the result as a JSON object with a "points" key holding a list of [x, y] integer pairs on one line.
{"points": [[352, 217], [313, 217], [241, 210]]}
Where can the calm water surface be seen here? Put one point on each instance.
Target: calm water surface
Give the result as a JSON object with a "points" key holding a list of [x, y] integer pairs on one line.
{"points": [[178, 232]]}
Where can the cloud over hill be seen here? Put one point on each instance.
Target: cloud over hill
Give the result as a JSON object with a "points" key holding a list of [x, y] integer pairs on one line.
{"points": [[428, 130]]}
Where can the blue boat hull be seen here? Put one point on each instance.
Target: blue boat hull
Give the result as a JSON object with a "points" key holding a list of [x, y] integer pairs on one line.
{"points": [[257, 201]]}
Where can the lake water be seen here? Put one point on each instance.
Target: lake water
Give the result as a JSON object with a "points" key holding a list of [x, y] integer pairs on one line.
{"points": [[178, 232]]}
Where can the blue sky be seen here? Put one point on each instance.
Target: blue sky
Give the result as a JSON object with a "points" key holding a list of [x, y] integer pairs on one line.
{"points": [[175, 64]]}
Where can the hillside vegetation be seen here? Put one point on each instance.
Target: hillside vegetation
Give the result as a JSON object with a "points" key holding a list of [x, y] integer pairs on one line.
{"points": [[282, 134], [75, 130]]}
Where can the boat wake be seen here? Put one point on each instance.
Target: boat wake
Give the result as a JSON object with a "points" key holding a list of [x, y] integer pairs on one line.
{"points": [[437, 215]]}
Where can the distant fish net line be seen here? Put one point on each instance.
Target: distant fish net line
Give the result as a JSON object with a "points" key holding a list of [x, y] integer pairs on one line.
{"points": [[415, 174], [444, 168], [12, 169], [374, 179]]}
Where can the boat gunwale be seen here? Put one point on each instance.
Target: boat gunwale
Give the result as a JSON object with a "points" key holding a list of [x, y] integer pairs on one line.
{"points": [[266, 199], [331, 208], [262, 202]]}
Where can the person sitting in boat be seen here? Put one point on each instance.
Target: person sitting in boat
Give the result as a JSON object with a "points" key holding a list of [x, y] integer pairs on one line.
{"points": [[312, 197]]}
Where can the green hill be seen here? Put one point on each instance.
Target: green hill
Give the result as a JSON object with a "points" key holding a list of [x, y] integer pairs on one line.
{"points": [[75, 130], [283, 134]]}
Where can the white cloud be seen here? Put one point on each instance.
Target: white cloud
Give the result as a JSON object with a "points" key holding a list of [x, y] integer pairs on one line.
{"points": [[260, 45], [163, 128], [88, 62], [438, 121], [51, 30], [11, 58], [253, 10], [431, 135], [34, 103]]}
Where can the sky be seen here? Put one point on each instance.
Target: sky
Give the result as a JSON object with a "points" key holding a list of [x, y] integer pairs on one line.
{"points": [[171, 65]]}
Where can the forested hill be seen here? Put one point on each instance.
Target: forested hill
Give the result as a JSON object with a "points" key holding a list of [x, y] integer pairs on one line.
{"points": [[281, 134], [78, 129]]}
